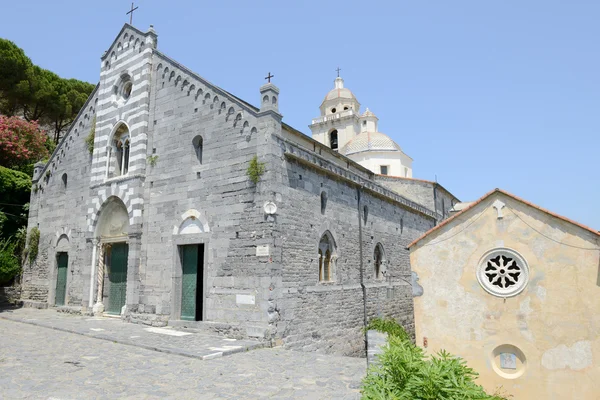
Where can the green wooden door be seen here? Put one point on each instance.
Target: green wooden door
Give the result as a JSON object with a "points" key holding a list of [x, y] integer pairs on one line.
{"points": [[117, 277], [62, 260], [189, 281]]}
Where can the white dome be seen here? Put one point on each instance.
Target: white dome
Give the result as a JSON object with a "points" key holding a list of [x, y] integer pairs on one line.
{"points": [[370, 141], [339, 93]]}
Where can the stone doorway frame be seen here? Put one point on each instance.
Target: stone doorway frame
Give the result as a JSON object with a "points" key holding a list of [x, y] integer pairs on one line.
{"points": [[62, 245], [177, 272]]}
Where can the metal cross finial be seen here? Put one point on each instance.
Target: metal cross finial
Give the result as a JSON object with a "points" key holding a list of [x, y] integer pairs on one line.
{"points": [[131, 13], [268, 77], [338, 71]]}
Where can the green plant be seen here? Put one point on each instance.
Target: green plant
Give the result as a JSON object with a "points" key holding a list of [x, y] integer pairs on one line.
{"points": [[89, 140], [9, 263], [255, 170], [152, 160], [405, 372], [34, 242]]}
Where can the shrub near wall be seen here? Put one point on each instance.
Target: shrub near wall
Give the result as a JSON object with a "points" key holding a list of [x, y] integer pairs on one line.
{"points": [[404, 372]]}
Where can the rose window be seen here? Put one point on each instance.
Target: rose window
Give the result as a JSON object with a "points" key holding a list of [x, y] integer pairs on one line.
{"points": [[503, 272]]}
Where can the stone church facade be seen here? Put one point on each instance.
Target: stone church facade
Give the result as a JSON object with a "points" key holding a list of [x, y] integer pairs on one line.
{"points": [[161, 224]]}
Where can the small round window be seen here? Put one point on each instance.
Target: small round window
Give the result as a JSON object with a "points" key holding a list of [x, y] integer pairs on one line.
{"points": [[503, 272], [333, 110]]}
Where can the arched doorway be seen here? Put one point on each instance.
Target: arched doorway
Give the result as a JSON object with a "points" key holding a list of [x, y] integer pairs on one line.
{"points": [[111, 233]]}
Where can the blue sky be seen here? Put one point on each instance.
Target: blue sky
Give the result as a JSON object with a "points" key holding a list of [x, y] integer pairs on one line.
{"points": [[481, 94]]}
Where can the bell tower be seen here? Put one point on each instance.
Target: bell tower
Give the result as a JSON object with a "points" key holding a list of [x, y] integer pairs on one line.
{"points": [[339, 119]]}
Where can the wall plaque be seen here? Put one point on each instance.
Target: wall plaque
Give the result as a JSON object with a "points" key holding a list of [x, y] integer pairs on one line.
{"points": [[262, 251], [508, 361]]}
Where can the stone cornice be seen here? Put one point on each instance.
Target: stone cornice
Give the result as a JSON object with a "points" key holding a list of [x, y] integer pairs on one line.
{"points": [[304, 156]]}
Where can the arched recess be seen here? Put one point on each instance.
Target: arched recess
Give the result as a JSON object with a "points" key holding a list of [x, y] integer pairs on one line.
{"points": [[327, 257], [198, 144], [62, 244], [379, 262], [112, 222], [192, 221], [118, 149], [333, 140]]}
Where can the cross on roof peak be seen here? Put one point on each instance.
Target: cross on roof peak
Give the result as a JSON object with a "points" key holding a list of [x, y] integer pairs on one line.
{"points": [[338, 71], [130, 12], [269, 76]]}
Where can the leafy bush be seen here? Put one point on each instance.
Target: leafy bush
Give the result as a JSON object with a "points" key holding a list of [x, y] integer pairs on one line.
{"points": [[9, 262], [21, 142], [89, 140], [255, 170], [404, 372], [34, 242]]}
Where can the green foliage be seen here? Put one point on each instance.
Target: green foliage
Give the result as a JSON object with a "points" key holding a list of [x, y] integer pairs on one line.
{"points": [[9, 262], [37, 94], [404, 372], [152, 160], [15, 190], [34, 242], [255, 170], [89, 140], [389, 326]]}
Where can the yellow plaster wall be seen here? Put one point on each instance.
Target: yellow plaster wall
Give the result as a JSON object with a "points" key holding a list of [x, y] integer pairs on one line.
{"points": [[554, 321]]}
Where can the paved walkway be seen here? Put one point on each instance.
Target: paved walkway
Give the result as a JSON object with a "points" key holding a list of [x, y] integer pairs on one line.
{"points": [[41, 363], [167, 340]]}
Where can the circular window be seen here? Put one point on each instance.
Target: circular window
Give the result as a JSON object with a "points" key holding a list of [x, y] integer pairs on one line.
{"points": [[333, 110], [503, 272]]}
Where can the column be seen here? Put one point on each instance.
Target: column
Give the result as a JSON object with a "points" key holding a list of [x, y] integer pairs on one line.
{"points": [[99, 307]]}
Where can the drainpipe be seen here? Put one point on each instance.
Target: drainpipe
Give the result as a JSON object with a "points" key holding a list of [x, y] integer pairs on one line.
{"points": [[362, 280]]}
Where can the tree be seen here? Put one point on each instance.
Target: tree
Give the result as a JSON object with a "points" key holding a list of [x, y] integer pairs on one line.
{"points": [[14, 69], [37, 94], [15, 188], [21, 143]]}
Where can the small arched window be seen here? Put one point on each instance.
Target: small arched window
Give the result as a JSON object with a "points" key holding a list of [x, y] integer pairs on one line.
{"points": [[333, 140], [378, 261], [323, 202], [64, 180], [365, 214], [198, 147], [118, 153], [327, 256]]}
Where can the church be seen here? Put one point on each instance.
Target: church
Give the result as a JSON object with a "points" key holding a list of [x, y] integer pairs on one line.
{"points": [[171, 201]]}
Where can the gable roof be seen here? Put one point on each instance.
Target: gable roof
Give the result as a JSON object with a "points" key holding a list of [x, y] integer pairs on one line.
{"points": [[487, 195]]}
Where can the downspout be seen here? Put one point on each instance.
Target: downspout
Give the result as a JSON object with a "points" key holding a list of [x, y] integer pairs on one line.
{"points": [[362, 280]]}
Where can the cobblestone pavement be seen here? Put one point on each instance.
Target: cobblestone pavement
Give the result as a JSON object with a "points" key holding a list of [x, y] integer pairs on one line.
{"points": [[167, 340], [42, 363]]}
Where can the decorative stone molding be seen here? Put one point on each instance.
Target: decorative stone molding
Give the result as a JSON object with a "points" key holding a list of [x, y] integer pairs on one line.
{"points": [[503, 272]]}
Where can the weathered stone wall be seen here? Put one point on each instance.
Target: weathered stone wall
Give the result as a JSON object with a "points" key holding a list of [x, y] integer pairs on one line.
{"points": [[429, 194], [329, 316], [550, 327], [59, 211], [10, 294]]}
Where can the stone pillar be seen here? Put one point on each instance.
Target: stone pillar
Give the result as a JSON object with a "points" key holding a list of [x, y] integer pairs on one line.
{"points": [[99, 306], [133, 272], [93, 273]]}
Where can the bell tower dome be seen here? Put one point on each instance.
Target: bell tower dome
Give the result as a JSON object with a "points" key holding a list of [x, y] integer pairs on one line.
{"points": [[339, 120]]}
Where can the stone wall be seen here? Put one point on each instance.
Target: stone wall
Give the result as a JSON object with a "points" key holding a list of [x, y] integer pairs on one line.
{"points": [[329, 316], [59, 211], [10, 294], [429, 194]]}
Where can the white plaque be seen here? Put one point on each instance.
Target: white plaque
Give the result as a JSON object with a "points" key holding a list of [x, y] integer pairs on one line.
{"points": [[245, 299], [262, 251], [508, 361]]}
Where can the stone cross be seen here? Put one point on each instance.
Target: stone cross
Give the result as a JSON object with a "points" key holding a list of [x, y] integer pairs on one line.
{"points": [[130, 12], [269, 76], [498, 205]]}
